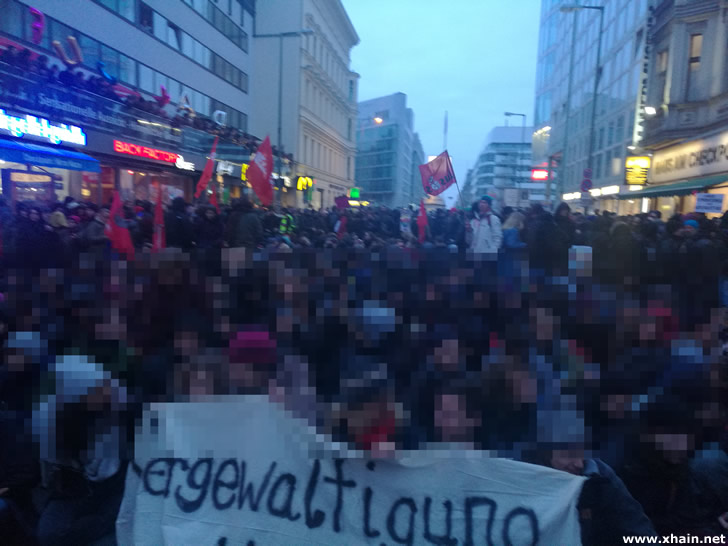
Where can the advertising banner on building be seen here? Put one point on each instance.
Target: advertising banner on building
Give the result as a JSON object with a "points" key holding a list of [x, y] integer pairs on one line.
{"points": [[691, 160]]}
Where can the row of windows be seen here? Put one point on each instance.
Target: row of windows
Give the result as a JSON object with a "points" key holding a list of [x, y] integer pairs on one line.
{"points": [[16, 22], [319, 103], [156, 24], [370, 160], [332, 64], [208, 10], [320, 156], [222, 22]]}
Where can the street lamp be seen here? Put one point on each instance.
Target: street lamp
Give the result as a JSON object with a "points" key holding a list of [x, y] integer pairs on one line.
{"points": [[280, 36], [523, 140], [575, 8], [650, 111]]}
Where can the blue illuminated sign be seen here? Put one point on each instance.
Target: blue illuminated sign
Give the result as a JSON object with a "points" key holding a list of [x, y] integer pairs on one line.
{"points": [[42, 128]]}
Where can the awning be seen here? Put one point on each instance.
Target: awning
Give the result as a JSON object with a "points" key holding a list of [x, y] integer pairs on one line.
{"points": [[684, 187], [46, 156]]}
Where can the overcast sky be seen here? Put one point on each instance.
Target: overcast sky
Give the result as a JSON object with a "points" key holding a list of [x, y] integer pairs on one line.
{"points": [[474, 58]]}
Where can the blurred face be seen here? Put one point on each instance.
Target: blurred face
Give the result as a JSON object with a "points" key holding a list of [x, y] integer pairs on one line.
{"points": [[210, 214], [34, 216], [689, 231], [568, 460], [483, 207], [103, 215]]}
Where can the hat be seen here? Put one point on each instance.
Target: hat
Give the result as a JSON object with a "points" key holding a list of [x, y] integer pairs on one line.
{"points": [[691, 223], [487, 198]]}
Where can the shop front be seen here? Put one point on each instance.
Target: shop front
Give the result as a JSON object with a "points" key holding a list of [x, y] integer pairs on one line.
{"points": [[137, 170], [40, 157], [679, 173]]}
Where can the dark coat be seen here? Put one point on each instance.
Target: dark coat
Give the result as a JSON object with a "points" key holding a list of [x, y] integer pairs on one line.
{"points": [[606, 508], [178, 230], [208, 233], [249, 232]]}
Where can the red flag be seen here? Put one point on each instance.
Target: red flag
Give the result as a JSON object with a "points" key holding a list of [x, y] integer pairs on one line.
{"points": [[116, 229], [437, 175], [159, 239], [422, 222], [259, 172], [207, 173]]}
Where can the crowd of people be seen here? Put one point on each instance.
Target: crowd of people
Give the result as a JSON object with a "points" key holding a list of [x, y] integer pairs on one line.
{"points": [[681, 245], [592, 343], [26, 62]]}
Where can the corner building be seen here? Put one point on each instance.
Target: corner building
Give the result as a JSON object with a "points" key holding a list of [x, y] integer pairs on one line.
{"points": [[319, 95]]}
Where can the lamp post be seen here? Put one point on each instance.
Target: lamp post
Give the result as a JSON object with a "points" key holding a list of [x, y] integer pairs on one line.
{"points": [[279, 141], [574, 8], [523, 141]]}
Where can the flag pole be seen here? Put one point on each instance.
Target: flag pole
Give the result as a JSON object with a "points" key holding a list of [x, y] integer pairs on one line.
{"points": [[444, 133]]}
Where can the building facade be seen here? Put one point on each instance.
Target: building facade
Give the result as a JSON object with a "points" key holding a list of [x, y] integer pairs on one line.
{"points": [[319, 95], [503, 169], [567, 67], [686, 126], [146, 83], [389, 152]]}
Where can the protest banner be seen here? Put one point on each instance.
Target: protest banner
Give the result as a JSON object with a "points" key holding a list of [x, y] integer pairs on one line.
{"points": [[237, 470], [709, 203]]}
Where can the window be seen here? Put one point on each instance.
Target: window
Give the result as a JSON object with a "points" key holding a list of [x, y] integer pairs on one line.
{"points": [[351, 90], [127, 70], [146, 17], [348, 129], [110, 58], [662, 62], [146, 78], [90, 49], [610, 134], [696, 50], [126, 9]]}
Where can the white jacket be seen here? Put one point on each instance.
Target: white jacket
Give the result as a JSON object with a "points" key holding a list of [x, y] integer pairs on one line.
{"points": [[487, 236]]}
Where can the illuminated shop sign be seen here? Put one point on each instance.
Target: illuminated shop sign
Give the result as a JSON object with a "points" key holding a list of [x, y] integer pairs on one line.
{"points": [[636, 169], [32, 126], [143, 151], [184, 165]]}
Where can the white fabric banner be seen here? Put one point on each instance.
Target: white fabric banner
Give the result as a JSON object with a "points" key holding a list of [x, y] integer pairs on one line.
{"points": [[236, 472]]}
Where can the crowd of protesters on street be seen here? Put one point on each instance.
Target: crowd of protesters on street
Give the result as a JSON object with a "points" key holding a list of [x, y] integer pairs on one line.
{"points": [[592, 344]]}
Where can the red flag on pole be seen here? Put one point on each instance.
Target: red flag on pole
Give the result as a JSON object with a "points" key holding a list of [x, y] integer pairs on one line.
{"points": [[207, 173], [422, 222], [159, 239], [437, 175], [116, 229], [259, 173]]}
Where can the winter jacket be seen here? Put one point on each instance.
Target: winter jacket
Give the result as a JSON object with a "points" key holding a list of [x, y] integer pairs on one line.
{"points": [[208, 233], [512, 239], [178, 230], [487, 234], [607, 511], [249, 231]]}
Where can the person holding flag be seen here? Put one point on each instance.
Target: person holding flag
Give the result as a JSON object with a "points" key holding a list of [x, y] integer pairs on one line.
{"points": [[159, 240], [117, 229], [260, 171], [484, 233], [422, 222], [207, 176]]}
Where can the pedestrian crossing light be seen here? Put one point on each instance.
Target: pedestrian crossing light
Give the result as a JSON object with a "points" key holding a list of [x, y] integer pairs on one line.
{"points": [[354, 193]]}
